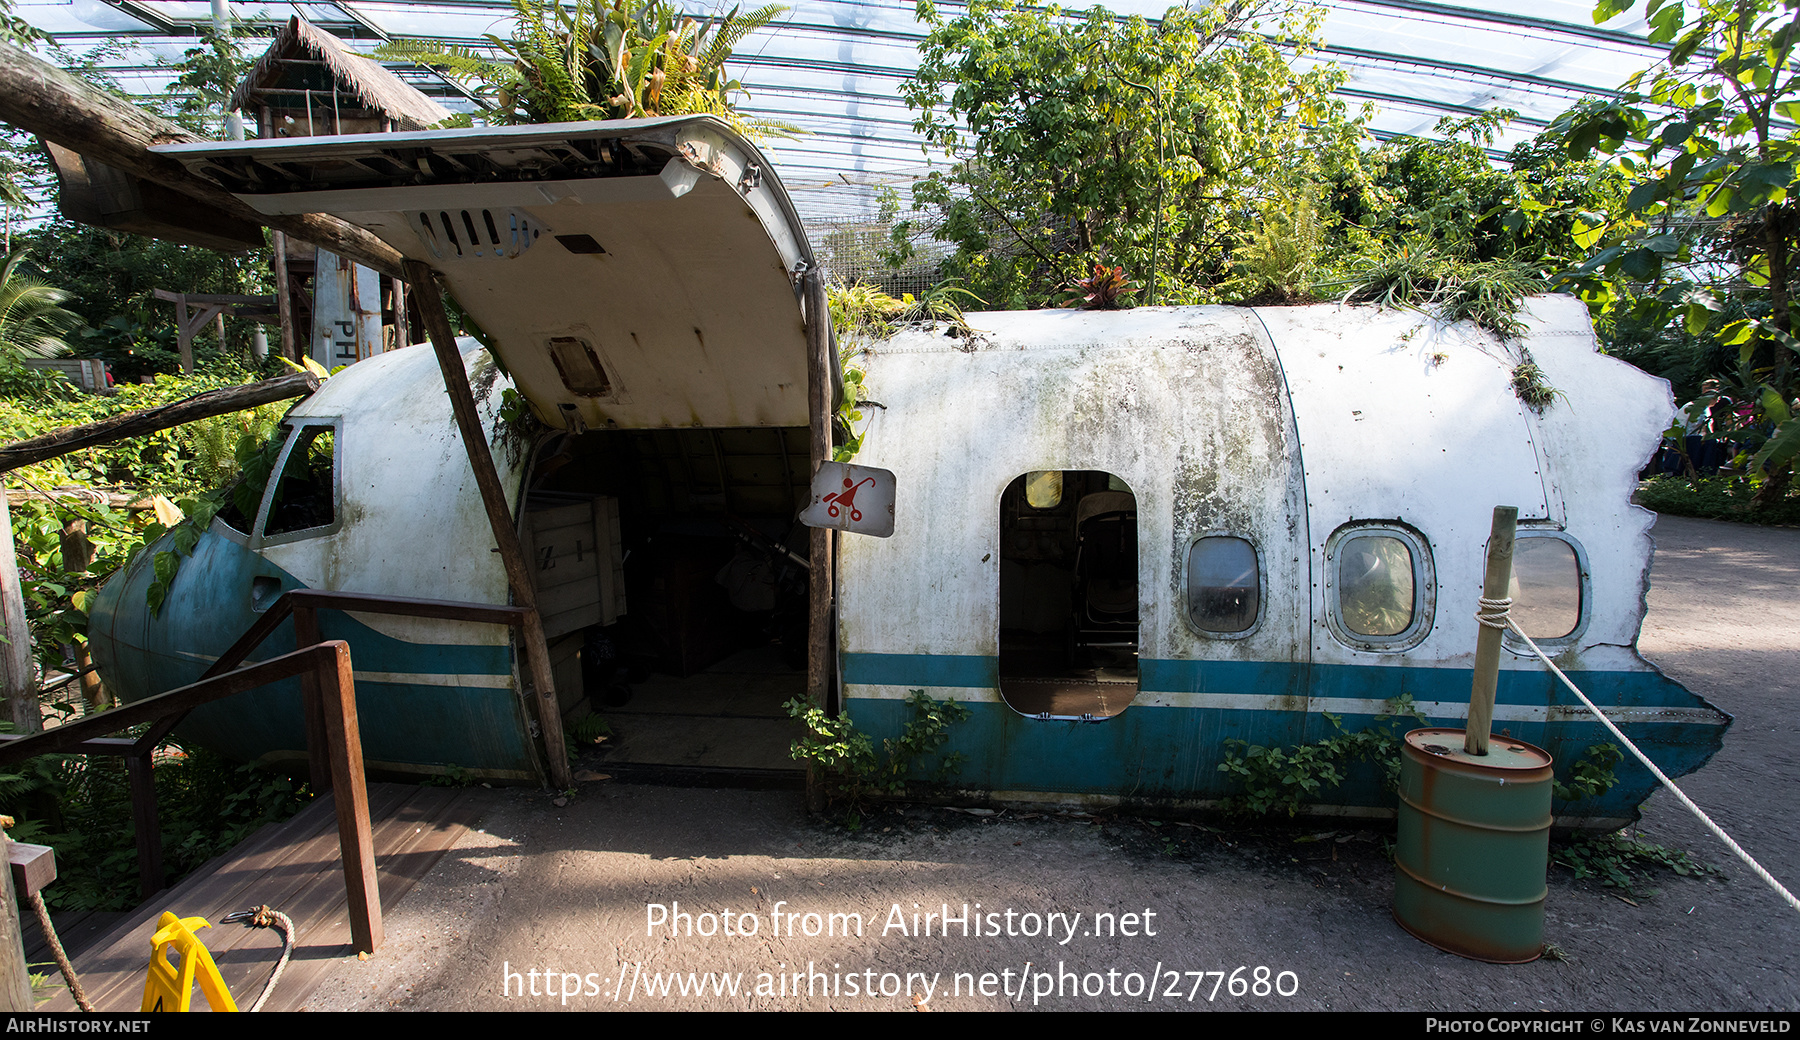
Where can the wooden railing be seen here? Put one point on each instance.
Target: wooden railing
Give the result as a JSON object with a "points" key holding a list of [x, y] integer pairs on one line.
{"points": [[327, 665], [304, 605], [333, 739]]}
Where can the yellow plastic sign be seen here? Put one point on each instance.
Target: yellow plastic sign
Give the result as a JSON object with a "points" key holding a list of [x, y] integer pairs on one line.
{"points": [[169, 985]]}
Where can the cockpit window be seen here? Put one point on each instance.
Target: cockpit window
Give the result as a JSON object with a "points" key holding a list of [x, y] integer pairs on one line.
{"points": [[305, 496]]}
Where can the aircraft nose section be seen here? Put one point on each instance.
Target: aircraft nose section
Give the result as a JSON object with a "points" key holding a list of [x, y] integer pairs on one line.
{"points": [[209, 598]]}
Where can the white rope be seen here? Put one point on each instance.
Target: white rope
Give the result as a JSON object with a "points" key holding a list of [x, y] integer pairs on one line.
{"points": [[266, 916], [1493, 612], [1754, 866]]}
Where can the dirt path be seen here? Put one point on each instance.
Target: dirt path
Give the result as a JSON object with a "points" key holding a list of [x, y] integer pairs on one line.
{"points": [[564, 891]]}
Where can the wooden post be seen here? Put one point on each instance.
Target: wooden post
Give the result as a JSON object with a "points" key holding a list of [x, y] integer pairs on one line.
{"points": [[1498, 585], [18, 678], [356, 841], [493, 497], [820, 578], [284, 302], [318, 760], [144, 823], [77, 554], [15, 977]]}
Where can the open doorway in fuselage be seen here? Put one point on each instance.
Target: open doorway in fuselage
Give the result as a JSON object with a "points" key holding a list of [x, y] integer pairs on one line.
{"points": [[1068, 594], [690, 635]]}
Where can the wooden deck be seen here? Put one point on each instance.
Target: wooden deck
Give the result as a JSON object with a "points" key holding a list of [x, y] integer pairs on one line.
{"points": [[293, 867]]}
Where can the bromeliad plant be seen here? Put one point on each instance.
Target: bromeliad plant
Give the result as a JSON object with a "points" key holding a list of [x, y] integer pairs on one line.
{"points": [[1105, 288]]}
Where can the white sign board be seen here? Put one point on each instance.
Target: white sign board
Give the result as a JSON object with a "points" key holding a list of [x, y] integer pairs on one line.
{"points": [[346, 311], [852, 498]]}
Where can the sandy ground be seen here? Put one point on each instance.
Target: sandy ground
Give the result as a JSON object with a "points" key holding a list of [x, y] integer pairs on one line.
{"points": [[549, 901]]}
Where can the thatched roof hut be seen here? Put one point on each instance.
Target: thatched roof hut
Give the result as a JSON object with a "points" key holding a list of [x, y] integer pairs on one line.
{"points": [[308, 85]]}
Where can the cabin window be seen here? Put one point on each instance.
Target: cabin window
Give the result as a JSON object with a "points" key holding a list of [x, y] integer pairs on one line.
{"points": [[1381, 586], [1224, 586], [1068, 595], [1547, 586], [304, 499]]}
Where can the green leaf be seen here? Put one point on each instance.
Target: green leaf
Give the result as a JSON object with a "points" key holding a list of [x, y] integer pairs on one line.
{"points": [[1641, 264], [1644, 196]]}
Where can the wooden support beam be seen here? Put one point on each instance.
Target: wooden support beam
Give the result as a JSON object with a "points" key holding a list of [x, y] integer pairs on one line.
{"points": [[144, 824], [350, 791], [149, 420], [59, 106], [819, 574], [284, 299], [15, 976], [306, 633], [493, 497], [18, 677]]}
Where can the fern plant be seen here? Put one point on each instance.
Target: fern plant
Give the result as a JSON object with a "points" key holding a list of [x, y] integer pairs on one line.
{"points": [[630, 59]]}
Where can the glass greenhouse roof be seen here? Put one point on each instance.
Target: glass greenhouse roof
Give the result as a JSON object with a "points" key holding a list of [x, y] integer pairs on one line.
{"points": [[834, 67]]}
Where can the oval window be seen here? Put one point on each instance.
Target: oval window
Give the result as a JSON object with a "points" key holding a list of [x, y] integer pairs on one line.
{"points": [[1375, 585], [1546, 587], [1043, 489], [1224, 592]]}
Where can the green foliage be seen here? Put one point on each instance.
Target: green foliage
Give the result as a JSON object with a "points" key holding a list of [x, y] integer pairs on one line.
{"points": [[166, 462], [1287, 779], [862, 313], [1279, 261], [57, 591], [111, 278], [587, 729], [1530, 387], [851, 768], [1620, 861], [1718, 498], [1703, 247], [1489, 293], [33, 322], [205, 78], [452, 776], [81, 806], [1086, 138], [1591, 776], [630, 59]]}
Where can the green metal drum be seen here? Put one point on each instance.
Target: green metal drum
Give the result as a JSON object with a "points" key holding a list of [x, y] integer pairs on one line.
{"points": [[1474, 845]]}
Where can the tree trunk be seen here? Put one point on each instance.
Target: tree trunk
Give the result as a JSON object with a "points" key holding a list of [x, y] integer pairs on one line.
{"points": [[18, 679], [42, 99], [149, 420]]}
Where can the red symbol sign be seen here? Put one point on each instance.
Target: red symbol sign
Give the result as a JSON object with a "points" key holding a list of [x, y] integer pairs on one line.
{"points": [[847, 498]]}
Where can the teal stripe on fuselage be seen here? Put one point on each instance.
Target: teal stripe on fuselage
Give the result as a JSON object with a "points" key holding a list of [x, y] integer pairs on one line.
{"points": [[1644, 689], [1159, 752], [208, 607]]}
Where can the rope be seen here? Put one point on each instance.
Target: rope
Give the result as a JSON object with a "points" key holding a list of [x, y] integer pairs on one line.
{"points": [[1497, 609], [265, 916], [56, 948]]}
